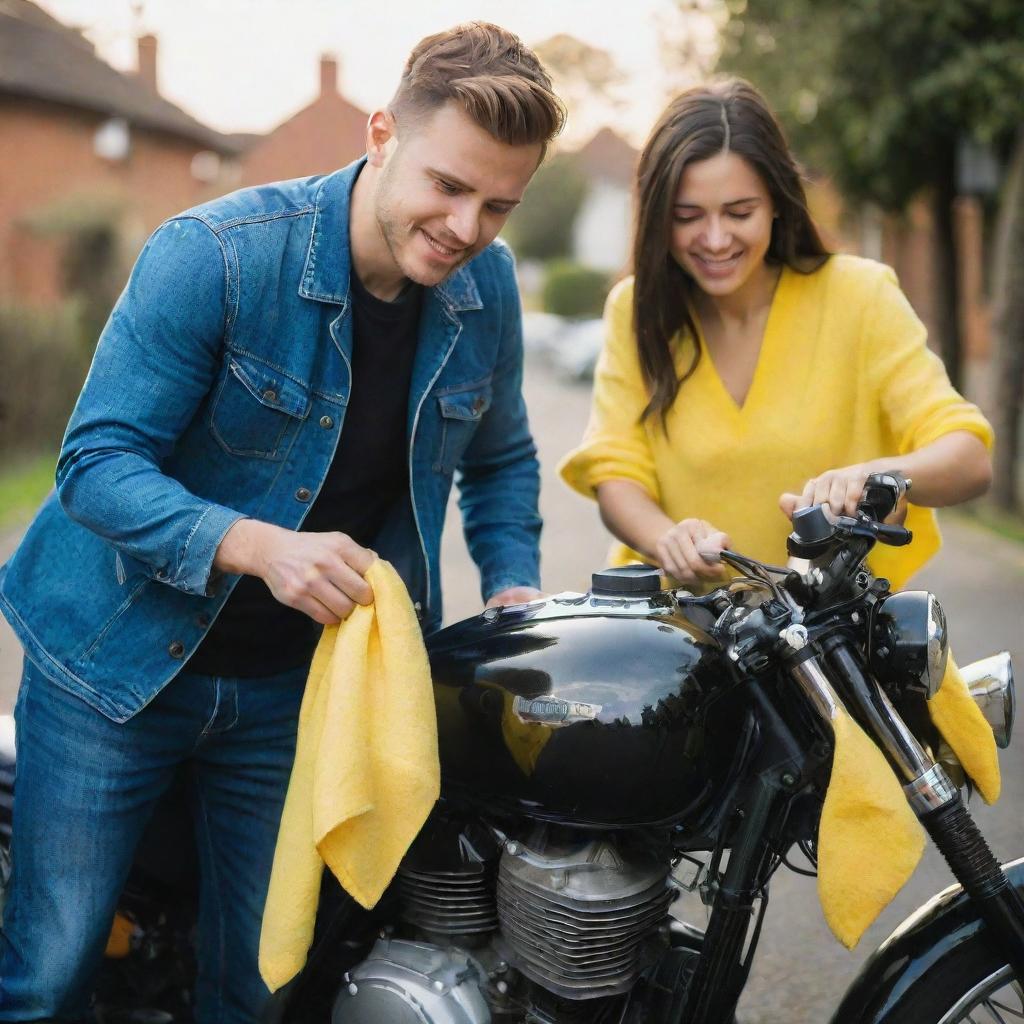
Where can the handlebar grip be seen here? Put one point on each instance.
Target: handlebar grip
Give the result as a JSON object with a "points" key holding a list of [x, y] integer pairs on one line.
{"points": [[882, 493], [710, 555], [894, 536]]}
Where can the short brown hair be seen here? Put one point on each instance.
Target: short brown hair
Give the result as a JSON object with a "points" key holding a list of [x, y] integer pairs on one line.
{"points": [[498, 82]]}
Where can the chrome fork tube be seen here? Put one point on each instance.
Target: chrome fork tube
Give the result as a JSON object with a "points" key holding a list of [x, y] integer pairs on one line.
{"points": [[926, 784]]}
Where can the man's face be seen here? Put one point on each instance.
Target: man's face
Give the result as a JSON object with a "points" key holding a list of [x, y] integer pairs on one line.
{"points": [[445, 191]]}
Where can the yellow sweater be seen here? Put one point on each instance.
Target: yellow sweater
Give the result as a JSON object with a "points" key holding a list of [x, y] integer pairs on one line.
{"points": [[843, 376]]}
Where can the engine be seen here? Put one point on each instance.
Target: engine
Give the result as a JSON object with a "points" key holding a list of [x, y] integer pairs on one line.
{"points": [[553, 928], [578, 918]]}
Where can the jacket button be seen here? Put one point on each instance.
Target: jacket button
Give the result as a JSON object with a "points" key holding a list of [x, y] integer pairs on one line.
{"points": [[303, 494], [478, 404], [326, 422], [270, 395], [202, 621], [176, 649]]}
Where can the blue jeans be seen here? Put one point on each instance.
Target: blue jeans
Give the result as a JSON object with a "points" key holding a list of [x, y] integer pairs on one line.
{"points": [[85, 790]]}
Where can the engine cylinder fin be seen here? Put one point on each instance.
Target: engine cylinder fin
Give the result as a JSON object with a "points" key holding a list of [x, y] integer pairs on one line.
{"points": [[579, 917], [449, 902]]}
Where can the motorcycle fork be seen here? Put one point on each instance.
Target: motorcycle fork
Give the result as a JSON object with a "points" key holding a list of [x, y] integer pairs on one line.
{"points": [[938, 806], [725, 960]]}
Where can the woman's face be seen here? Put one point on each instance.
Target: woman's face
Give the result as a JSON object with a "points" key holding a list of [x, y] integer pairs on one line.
{"points": [[721, 224]]}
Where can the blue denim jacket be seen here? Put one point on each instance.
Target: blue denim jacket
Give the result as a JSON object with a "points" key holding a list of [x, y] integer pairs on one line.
{"points": [[218, 391]]}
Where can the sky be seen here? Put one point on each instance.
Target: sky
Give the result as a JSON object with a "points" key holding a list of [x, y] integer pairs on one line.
{"points": [[247, 65]]}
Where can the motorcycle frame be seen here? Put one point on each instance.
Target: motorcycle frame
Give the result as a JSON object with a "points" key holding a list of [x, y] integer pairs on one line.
{"points": [[780, 769]]}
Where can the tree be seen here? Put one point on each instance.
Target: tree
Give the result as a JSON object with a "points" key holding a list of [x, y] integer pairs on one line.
{"points": [[541, 229], [579, 67], [586, 77], [1008, 327]]}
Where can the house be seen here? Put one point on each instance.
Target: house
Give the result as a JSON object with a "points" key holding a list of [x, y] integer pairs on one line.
{"points": [[603, 225], [80, 137], [320, 138]]}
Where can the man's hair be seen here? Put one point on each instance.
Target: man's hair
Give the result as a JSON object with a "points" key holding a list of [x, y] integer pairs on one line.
{"points": [[490, 74]]}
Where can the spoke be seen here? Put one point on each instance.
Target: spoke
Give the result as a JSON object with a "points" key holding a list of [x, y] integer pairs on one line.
{"points": [[1017, 1014], [996, 1015]]}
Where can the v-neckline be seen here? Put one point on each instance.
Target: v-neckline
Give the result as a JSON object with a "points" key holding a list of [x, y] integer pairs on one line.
{"points": [[740, 408]]}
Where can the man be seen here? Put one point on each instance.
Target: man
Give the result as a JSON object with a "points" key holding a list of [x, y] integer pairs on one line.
{"points": [[293, 374]]}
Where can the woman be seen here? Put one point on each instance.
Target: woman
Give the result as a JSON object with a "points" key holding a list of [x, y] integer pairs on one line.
{"points": [[746, 369]]}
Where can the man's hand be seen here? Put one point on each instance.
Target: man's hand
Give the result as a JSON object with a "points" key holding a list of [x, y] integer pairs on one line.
{"points": [[514, 595], [320, 574], [688, 551]]}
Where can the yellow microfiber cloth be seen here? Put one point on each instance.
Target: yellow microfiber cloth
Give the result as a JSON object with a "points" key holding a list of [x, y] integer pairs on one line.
{"points": [[964, 728], [366, 771], [869, 840]]}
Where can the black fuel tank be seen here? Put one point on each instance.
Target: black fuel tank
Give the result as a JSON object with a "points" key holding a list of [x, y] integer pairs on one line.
{"points": [[586, 710]]}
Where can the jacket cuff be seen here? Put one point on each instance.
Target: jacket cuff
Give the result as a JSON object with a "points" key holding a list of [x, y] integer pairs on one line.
{"points": [[195, 573]]}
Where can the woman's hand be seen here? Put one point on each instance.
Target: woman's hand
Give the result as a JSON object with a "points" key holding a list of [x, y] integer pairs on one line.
{"points": [[841, 489], [689, 550]]}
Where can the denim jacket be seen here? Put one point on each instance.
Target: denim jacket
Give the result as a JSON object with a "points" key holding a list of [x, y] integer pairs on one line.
{"points": [[218, 391]]}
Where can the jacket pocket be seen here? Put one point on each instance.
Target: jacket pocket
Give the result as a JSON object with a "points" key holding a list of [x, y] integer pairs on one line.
{"points": [[254, 407], [461, 413]]}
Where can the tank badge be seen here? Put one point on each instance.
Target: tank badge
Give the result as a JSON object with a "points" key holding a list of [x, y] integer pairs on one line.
{"points": [[554, 711]]}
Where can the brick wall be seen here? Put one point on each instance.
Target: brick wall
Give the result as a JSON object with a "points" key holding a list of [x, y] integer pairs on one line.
{"points": [[47, 157]]}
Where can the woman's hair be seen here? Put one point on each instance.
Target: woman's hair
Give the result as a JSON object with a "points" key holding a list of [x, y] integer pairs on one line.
{"points": [[726, 116], [490, 74]]}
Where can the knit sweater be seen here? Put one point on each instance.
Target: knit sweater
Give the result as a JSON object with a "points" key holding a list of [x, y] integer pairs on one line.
{"points": [[843, 376]]}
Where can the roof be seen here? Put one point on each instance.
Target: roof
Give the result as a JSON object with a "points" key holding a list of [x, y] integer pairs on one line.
{"points": [[43, 59], [609, 156]]}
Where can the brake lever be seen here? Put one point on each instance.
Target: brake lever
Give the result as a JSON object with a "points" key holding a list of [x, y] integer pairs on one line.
{"points": [[884, 533]]}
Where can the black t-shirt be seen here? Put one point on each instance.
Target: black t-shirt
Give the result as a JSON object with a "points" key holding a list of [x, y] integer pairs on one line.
{"points": [[255, 635]]}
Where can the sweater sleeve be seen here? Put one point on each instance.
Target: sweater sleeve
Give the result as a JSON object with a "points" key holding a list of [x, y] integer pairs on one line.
{"points": [[615, 445], [916, 398]]}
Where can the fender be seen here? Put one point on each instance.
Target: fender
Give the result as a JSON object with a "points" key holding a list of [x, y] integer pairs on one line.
{"points": [[910, 957]]}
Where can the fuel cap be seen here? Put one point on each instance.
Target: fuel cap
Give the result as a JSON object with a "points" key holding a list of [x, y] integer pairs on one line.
{"points": [[627, 579]]}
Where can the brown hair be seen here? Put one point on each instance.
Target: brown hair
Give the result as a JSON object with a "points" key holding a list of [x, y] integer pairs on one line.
{"points": [[499, 82], [725, 116]]}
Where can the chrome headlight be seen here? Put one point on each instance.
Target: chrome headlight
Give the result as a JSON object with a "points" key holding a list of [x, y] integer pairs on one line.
{"points": [[991, 684], [909, 640]]}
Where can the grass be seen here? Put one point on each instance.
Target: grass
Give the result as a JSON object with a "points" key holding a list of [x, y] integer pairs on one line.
{"points": [[1003, 524], [23, 485]]}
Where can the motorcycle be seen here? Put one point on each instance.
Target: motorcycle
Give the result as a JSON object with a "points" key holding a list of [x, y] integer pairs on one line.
{"points": [[593, 746]]}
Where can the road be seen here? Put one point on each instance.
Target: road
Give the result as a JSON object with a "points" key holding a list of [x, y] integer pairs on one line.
{"points": [[800, 970]]}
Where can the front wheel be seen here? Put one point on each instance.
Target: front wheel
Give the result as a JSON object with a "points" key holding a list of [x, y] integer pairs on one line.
{"points": [[970, 985], [997, 998]]}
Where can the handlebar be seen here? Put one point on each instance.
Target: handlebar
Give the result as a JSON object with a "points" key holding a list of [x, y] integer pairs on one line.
{"points": [[815, 530]]}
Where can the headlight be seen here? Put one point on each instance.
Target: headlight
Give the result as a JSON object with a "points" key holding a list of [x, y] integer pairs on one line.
{"points": [[909, 640]]}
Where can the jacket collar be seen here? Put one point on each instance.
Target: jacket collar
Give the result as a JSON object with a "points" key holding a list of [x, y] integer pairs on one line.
{"points": [[325, 277]]}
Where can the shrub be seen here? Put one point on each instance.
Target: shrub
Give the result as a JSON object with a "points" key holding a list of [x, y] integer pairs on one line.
{"points": [[573, 290], [44, 366]]}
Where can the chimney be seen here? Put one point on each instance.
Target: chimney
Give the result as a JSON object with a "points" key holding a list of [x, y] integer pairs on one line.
{"points": [[147, 61], [328, 75]]}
